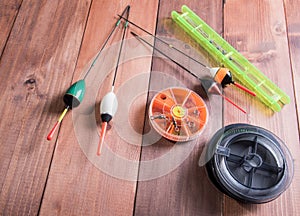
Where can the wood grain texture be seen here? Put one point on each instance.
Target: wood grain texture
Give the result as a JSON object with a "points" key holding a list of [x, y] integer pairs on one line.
{"points": [[257, 29], [75, 186], [8, 12], [186, 189], [293, 27], [32, 65], [45, 46]]}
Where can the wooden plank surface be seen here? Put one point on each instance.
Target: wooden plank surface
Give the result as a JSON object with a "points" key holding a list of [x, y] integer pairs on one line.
{"points": [[260, 34], [32, 65], [75, 185], [8, 12], [185, 189], [293, 28], [46, 45]]}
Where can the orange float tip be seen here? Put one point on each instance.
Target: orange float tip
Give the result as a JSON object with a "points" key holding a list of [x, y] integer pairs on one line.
{"points": [[102, 136]]}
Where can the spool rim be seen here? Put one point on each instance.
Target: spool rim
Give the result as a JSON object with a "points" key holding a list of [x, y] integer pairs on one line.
{"points": [[221, 175]]}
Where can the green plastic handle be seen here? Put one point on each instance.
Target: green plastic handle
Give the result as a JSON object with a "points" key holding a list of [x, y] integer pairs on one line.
{"points": [[242, 70]]}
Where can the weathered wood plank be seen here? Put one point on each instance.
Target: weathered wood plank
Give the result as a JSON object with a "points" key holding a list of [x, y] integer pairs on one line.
{"points": [[36, 63], [257, 29], [37, 67], [293, 27], [8, 12], [186, 189], [75, 185]]}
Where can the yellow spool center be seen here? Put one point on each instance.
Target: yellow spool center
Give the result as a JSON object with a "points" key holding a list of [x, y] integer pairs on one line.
{"points": [[178, 111]]}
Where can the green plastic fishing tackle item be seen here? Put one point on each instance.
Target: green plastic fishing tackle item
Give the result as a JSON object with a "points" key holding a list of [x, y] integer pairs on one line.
{"points": [[75, 94], [242, 70]]}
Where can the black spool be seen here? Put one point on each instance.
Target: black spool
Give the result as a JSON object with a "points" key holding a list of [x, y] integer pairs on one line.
{"points": [[249, 163]]}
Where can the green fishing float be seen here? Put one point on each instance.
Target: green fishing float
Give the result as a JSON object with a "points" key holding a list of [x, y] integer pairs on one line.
{"points": [[75, 93]]}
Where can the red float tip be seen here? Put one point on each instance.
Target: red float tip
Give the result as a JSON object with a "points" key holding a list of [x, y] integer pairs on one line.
{"points": [[244, 89], [51, 133], [230, 101], [102, 136]]}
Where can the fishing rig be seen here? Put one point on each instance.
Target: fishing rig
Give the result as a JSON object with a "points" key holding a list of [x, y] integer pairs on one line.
{"points": [[210, 86], [269, 93], [109, 103], [179, 114], [75, 93], [221, 75]]}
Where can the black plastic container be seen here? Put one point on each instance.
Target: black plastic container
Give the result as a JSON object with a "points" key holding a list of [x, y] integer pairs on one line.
{"points": [[249, 163]]}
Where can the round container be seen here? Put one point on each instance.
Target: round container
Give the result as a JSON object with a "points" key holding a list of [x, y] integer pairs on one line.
{"points": [[249, 163], [178, 114]]}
